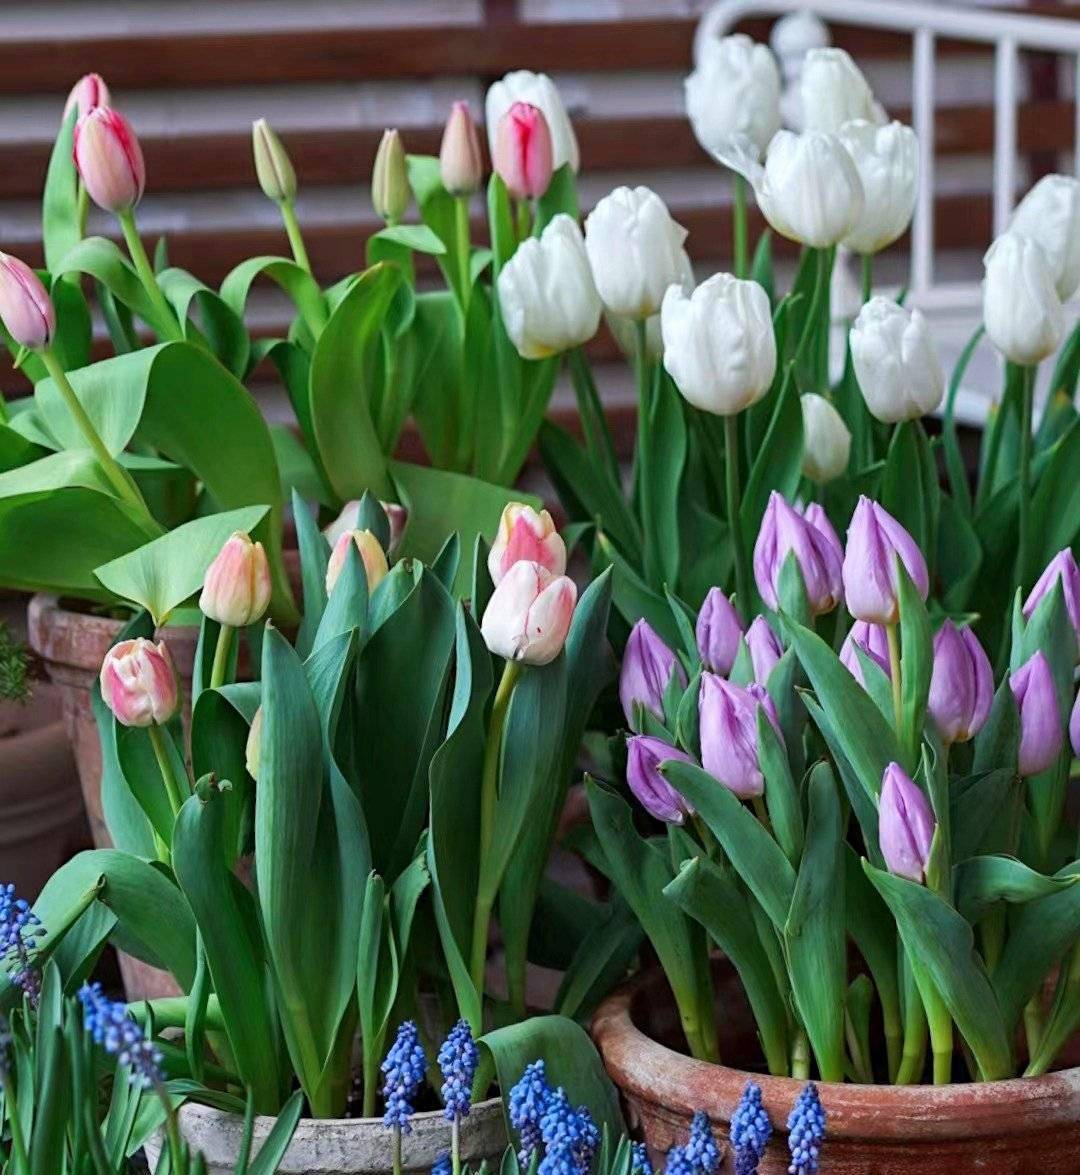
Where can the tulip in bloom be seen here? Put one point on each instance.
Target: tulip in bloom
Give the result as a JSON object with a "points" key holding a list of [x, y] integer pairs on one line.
{"points": [[138, 683], [826, 440], [765, 649], [371, 553], [718, 632], [905, 825], [347, 520], [727, 717], [89, 91], [546, 292], [25, 308], [522, 154], [253, 745], [461, 166], [529, 613], [874, 544], [1074, 727], [644, 754], [896, 362], [834, 91], [625, 329], [274, 168], [817, 551], [887, 160], [236, 588], [538, 90], [873, 640], [1040, 721], [961, 685], [635, 250], [109, 159], [647, 668], [1063, 566], [1021, 308], [1050, 214], [525, 534], [719, 345], [389, 179]]}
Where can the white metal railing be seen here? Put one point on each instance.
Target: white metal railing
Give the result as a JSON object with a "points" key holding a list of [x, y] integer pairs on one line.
{"points": [[1006, 32]]}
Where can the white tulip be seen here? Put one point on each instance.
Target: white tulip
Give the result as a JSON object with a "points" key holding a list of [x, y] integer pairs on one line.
{"points": [[896, 362], [809, 190], [719, 346], [1050, 214], [528, 616], [540, 91], [1021, 308], [625, 329], [547, 296], [826, 440], [834, 91], [635, 250], [734, 95], [887, 160]]}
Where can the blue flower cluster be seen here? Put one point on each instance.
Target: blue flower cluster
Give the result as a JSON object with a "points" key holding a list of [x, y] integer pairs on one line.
{"points": [[700, 1155], [639, 1159], [403, 1070], [806, 1130], [458, 1060], [442, 1165], [750, 1130], [19, 926], [546, 1121], [527, 1102], [112, 1027]]}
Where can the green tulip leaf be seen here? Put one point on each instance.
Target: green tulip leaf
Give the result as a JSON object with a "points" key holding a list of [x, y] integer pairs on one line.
{"points": [[981, 882], [302, 289]]}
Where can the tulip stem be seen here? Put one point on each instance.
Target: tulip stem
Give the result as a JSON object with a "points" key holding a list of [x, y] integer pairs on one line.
{"points": [[642, 476], [461, 237], [161, 753], [82, 209], [867, 265], [1027, 394], [734, 508], [892, 632], [169, 325], [222, 649], [296, 237], [455, 1145], [739, 225]]}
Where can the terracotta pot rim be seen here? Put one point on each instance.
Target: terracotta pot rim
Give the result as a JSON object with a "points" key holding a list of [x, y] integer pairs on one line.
{"points": [[656, 1074]]}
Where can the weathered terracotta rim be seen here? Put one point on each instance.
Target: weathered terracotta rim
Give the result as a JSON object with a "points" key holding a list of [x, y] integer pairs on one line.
{"points": [[662, 1077]]}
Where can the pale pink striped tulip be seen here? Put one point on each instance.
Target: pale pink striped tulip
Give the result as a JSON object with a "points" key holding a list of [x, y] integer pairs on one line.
{"points": [[88, 92], [25, 307], [526, 534], [371, 553], [138, 683], [236, 588], [109, 159], [528, 616], [523, 153]]}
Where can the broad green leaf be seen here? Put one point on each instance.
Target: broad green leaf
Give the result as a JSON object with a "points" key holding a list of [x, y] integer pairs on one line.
{"points": [[1055, 508], [220, 327], [301, 287], [103, 260], [980, 882], [602, 958], [976, 802], [781, 796], [314, 557], [778, 462], [276, 1143], [59, 217]]}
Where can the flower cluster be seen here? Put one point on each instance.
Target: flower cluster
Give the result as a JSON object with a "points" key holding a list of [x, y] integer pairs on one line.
{"points": [[19, 926], [806, 1131], [403, 1071], [113, 1027], [526, 1104], [548, 1127], [750, 1130], [458, 1059]]}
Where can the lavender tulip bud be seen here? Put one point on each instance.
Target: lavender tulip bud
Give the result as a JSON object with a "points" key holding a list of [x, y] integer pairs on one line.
{"points": [[644, 755], [1063, 566], [25, 307], [461, 165], [646, 671], [1074, 727], [905, 825], [874, 642], [765, 649], [1040, 721], [961, 686], [816, 548], [727, 716], [875, 541], [718, 630]]}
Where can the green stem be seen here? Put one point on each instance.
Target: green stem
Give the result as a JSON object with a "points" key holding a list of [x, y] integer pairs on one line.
{"points": [[642, 478], [145, 270], [941, 1033], [296, 237], [867, 266], [161, 753], [461, 237], [397, 1151], [18, 1143], [1033, 1025], [371, 1080], [1064, 1017], [82, 208], [739, 226], [913, 1055], [455, 1145], [522, 220], [892, 632], [172, 1129], [734, 507], [820, 282], [893, 1042], [800, 1056], [5, 416], [1027, 404], [222, 649]]}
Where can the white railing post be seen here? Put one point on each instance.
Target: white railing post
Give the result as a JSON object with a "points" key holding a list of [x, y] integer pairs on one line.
{"points": [[922, 229], [1004, 133]]}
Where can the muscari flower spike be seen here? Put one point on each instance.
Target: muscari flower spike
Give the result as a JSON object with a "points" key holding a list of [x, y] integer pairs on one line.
{"points": [[458, 1060], [528, 1100], [403, 1070], [750, 1130], [806, 1131], [442, 1165], [677, 1163], [112, 1026], [19, 926], [701, 1150], [639, 1159], [570, 1137]]}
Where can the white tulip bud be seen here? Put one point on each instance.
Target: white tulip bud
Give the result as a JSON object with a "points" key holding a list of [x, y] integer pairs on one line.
{"points": [[546, 292], [719, 346], [887, 160], [896, 362], [538, 90], [635, 250], [625, 329], [734, 94], [834, 91], [826, 440], [1050, 214], [528, 616], [1021, 308]]}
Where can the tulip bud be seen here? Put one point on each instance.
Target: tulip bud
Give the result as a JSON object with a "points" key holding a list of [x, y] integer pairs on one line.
{"points": [[349, 518], [834, 91], [895, 361], [89, 91], [1074, 727], [461, 165], [815, 546], [961, 685], [871, 584], [727, 719], [253, 745], [236, 588], [644, 755], [905, 825], [389, 179], [528, 616], [138, 683], [522, 152], [718, 632], [635, 250], [1063, 566], [272, 164], [765, 650], [873, 640], [371, 554], [647, 668], [525, 534], [25, 308], [546, 292], [887, 160], [1050, 214], [1040, 721], [538, 90], [826, 440], [109, 159], [719, 345], [1021, 308]]}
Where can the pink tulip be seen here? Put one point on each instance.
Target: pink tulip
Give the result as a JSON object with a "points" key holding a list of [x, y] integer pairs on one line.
{"points": [[371, 554], [1040, 722], [138, 683], [816, 549], [1063, 566], [528, 616], [25, 307], [236, 588], [87, 93], [905, 825], [874, 642], [875, 541], [961, 685], [461, 165], [525, 534], [523, 153], [109, 159]]}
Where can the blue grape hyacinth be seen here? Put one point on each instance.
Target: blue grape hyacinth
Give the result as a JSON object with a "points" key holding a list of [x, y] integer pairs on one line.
{"points": [[806, 1131], [19, 926], [458, 1061], [112, 1026], [677, 1163], [527, 1102], [701, 1151], [639, 1159], [403, 1071], [750, 1130], [570, 1137], [441, 1166]]}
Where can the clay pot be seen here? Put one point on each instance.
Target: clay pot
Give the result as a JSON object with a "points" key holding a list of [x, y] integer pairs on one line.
{"points": [[343, 1146], [1007, 1127]]}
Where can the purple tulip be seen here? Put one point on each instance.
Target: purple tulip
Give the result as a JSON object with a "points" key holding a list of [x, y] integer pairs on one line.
{"points": [[1063, 566], [765, 649], [816, 548], [961, 686], [875, 539], [874, 642], [905, 825], [727, 715], [1074, 727], [718, 630], [1040, 721], [644, 754], [646, 670]]}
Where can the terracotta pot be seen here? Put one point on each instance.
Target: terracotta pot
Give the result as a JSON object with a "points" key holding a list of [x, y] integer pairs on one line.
{"points": [[343, 1146], [1005, 1127]]}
